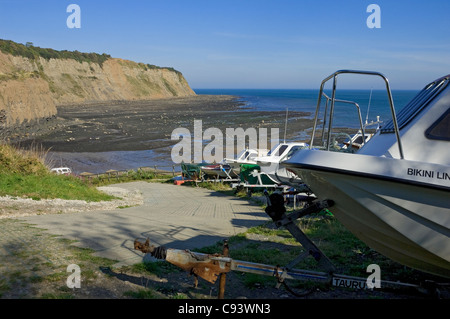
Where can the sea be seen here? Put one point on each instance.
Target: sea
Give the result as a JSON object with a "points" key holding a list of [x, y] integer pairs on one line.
{"points": [[371, 103]]}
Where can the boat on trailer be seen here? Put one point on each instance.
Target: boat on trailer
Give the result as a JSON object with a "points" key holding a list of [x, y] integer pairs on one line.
{"points": [[393, 193], [219, 171], [246, 156], [271, 164]]}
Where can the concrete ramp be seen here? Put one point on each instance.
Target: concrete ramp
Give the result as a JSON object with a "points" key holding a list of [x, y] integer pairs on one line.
{"points": [[180, 217]]}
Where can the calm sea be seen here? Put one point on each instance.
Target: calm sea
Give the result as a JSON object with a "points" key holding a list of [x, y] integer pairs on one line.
{"points": [[372, 103]]}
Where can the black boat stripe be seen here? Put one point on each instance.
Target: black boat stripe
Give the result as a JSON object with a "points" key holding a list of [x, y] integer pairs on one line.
{"points": [[368, 175]]}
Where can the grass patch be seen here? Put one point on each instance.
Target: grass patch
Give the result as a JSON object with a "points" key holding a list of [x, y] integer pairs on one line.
{"points": [[14, 160], [142, 294], [157, 268], [49, 186], [215, 186], [349, 255], [24, 173], [38, 267], [129, 176]]}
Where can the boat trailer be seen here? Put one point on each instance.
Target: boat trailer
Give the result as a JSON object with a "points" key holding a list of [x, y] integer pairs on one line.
{"points": [[211, 267]]}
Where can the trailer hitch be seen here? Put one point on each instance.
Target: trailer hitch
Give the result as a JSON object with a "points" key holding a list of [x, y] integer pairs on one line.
{"points": [[212, 266]]}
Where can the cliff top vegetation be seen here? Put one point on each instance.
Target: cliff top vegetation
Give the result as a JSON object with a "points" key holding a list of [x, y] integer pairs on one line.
{"points": [[32, 52]]}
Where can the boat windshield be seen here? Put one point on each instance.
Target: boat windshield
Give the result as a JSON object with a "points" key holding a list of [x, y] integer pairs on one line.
{"points": [[293, 150], [440, 130], [273, 150], [281, 150], [242, 155]]}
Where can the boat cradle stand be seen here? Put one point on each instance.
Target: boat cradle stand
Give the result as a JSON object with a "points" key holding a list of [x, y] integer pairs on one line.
{"points": [[212, 266], [277, 211]]}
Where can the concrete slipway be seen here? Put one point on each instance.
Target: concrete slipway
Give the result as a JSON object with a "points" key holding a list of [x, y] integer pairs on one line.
{"points": [[171, 215]]}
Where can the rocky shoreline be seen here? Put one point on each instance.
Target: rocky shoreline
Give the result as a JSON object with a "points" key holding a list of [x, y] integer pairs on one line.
{"points": [[119, 126]]}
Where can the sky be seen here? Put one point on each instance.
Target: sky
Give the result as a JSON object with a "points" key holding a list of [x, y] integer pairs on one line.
{"points": [[291, 44]]}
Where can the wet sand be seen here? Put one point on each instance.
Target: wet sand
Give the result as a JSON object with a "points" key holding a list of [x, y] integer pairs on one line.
{"points": [[101, 132]]}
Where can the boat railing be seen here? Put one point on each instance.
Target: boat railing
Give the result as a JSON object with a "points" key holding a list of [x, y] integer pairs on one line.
{"points": [[341, 101], [334, 100]]}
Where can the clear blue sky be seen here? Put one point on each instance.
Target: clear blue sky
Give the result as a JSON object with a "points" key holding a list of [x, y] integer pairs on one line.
{"points": [[248, 43]]}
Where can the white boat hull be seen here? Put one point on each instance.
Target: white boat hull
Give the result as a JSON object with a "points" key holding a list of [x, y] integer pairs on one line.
{"points": [[245, 157], [278, 173], [236, 165], [272, 166], [401, 217]]}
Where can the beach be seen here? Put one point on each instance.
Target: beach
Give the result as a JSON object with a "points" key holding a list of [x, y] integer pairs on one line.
{"points": [[95, 137]]}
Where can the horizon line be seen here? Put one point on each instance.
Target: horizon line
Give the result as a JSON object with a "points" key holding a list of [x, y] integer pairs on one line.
{"points": [[297, 89]]}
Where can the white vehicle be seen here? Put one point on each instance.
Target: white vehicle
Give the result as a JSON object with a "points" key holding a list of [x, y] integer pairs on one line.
{"points": [[61, 170]]}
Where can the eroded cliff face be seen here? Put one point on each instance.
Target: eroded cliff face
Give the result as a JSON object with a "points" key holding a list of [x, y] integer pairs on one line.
{"points": [[31, 90]]}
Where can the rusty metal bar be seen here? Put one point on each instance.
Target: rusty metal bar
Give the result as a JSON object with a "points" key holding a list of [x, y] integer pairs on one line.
{"points": [[223, 276]]}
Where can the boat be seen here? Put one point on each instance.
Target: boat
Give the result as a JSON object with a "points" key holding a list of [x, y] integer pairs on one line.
{"points": [[246, 156], [393, 193], [203, 171], [271, 164], [219, 171]]}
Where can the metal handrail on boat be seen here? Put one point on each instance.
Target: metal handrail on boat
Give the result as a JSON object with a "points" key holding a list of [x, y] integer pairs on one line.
{"points": [[334, 100], [347, 102]]}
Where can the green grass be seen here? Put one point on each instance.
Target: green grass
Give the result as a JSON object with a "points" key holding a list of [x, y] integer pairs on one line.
{"points": [[157, 268], [49, 186], [130, 176], [142, 294], [23, 173]]}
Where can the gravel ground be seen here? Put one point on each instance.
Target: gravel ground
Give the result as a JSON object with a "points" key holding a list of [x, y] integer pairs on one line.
{"points": [[11, 207]]}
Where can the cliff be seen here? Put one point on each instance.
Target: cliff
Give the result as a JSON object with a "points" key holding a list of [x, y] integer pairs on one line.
{"points": [[34, 82]]}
